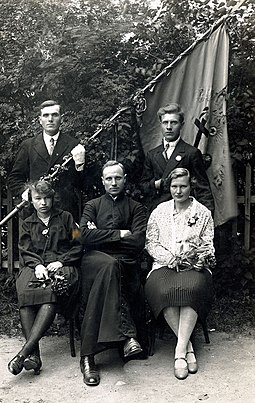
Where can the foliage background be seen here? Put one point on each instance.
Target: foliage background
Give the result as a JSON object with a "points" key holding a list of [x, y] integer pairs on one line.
{"points": [[93, 56]]}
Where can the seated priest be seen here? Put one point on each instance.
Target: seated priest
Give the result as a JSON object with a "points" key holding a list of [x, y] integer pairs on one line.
{"points": [[113, 234]]}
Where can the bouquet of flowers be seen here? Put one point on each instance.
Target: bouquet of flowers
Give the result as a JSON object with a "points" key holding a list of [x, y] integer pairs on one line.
{"points": [[57, 281], [196, 257]]}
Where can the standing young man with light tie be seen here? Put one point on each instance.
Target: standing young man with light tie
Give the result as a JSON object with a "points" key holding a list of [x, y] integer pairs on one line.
{"points": [[173, 152], [38, 155]]}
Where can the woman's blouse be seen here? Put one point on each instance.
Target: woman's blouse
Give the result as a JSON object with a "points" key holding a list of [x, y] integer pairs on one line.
{"points": [[43, 244], [170, 233]]}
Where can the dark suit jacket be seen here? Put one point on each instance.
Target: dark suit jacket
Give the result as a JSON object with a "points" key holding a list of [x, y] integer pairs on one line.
{"points": [[183, 156], [33, 161]]}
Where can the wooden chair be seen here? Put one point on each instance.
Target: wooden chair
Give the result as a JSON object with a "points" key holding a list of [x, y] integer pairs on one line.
{"points": [[74, 323]]}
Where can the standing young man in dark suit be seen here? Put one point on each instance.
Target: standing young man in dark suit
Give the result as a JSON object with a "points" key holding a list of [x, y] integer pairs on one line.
{"points": [[38, 155], [173, 153]]}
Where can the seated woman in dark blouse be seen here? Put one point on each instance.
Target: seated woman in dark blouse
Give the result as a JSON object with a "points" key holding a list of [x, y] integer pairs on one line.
{"points": [[49, 249]]}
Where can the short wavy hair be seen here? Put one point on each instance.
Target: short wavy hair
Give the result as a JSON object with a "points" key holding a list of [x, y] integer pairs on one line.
{"points": [[42, 187], [179, 173], [171, 108]]}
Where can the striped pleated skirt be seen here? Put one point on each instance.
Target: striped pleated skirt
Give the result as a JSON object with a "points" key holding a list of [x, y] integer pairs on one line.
{"points": [[165, 287]]}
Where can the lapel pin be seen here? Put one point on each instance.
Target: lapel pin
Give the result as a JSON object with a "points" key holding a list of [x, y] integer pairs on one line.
{"points": [[178, 158]]}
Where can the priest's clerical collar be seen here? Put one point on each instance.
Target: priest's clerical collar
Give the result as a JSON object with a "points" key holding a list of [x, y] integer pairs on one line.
{"points": [[172, 144], [119, 196]]}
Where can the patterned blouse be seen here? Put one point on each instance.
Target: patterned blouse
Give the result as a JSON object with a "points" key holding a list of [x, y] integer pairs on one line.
{"points": [[170, 234]]}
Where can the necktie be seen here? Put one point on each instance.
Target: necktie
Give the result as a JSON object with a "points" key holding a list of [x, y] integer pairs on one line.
{"points": [[51, 146], [165, 151]]}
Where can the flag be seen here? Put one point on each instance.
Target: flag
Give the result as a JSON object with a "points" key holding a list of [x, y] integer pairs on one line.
{"points": [[198, 82]]}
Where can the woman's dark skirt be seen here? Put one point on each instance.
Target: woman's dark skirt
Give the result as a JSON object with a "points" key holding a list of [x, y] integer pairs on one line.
{"points": [[166, 287], [30, 295]]}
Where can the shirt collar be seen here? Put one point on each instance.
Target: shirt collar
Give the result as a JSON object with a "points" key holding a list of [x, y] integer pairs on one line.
{"points": [[47, 138], [172, 144]]}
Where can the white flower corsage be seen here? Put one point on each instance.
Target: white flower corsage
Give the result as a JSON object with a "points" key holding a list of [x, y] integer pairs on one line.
{"points": [[91, 225], [192, 220]]}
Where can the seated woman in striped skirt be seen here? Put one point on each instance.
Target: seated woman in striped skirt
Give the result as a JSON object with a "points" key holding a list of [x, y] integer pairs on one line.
{"points": [[179, 239]]}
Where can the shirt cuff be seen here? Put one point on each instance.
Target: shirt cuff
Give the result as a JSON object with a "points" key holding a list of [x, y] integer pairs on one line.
{"points": [[79, 167]]}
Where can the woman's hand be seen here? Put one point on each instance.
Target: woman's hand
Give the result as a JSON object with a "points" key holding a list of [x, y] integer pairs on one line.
{"points": [[54, 266], [41, 272]]}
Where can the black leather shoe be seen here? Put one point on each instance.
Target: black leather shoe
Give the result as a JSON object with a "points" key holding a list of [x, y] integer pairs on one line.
{"points": [[15, 366], [132, 347], [89, 370], [33, 362]]}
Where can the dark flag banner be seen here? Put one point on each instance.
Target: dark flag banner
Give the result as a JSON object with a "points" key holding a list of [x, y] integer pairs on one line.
{"points": [[198, 82]]}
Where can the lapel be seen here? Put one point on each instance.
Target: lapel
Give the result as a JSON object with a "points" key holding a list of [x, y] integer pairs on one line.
{"points": [[159, 158], [60, 150], [40, 148], [176, 158]]}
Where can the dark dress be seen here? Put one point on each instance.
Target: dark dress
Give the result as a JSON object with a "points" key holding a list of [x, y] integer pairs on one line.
{"points": [[41, 244]]}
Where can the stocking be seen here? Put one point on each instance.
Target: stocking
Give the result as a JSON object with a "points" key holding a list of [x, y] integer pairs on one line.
{"points": [[35, 324]]}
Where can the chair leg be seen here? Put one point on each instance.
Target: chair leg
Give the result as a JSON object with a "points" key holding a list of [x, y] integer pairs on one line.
{"points": [[71, 336], [151, 337], [205, 330]]}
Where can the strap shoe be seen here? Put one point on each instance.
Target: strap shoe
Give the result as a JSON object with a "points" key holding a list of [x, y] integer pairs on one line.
{"points": [[192, 366], [33, 362], [15, 366], [181, 372]]}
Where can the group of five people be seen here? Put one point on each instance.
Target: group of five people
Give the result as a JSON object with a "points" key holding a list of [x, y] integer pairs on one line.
{"points": [[100, 256]]}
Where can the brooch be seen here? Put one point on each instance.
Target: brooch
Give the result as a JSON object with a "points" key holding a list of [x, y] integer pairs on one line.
{"points": [[45, 232]]}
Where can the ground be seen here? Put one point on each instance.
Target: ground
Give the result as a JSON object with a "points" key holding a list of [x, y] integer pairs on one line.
{"points": [[226, 365], [226, 374]]}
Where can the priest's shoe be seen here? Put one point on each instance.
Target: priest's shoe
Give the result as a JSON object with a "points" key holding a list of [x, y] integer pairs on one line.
{"points": [[132, 347], [89, 370]]}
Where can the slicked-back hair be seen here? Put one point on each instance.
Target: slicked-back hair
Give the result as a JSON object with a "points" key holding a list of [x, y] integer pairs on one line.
{"points": [[111, 163], [49, 102]]}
